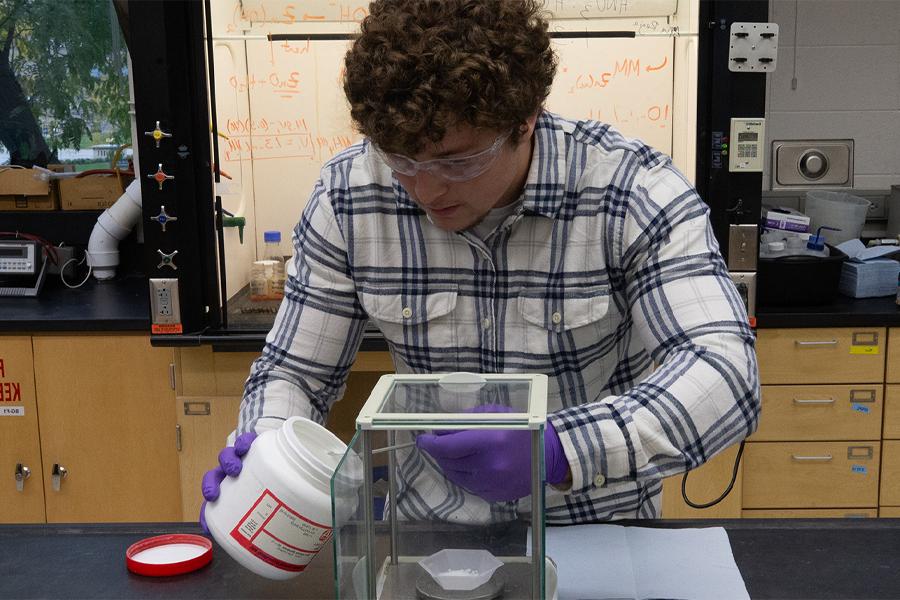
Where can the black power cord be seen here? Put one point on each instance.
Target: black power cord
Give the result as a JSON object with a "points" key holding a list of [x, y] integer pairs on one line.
{"points": [[737, 462]]}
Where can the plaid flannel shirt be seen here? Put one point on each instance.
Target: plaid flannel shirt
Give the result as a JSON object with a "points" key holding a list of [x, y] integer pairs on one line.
{"points": [[608, 267]]}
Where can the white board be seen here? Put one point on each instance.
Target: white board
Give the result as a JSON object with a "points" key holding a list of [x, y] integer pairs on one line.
{"points": [[296, 116], [312, 11], [623, 81]]}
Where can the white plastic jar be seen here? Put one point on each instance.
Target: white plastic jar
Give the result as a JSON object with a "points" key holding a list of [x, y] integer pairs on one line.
{"points": [[276, 515]]}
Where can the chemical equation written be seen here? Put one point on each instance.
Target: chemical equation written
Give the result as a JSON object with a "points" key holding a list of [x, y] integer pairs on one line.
{"points": [[284, 85], [245, 12], [599, 9], [627, 68], [623, 115], [268, 139], [655, 27]]}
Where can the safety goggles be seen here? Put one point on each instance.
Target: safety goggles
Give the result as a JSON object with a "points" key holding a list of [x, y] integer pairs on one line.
{"points": [[461, 168]]}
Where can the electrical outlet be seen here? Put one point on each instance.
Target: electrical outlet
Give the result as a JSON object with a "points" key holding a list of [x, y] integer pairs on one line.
{"points": [[164, 306]]}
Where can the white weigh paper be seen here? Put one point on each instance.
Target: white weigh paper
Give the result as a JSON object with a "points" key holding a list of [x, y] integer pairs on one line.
{"points": [[605, 562]]}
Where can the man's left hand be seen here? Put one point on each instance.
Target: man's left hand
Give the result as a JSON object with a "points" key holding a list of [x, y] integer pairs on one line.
{"points": [[494, 464]]}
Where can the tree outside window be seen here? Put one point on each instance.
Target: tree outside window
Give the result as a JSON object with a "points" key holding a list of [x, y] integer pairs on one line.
{"points": [[63, 79]]}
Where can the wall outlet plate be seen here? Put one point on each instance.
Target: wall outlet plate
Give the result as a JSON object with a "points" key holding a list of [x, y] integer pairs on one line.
{"points": [[753, 47], [165, 308]]}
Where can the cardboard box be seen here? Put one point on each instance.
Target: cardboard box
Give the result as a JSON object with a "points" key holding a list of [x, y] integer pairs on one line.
{"points": [[92, 192], [787, 219], [19, 190]]}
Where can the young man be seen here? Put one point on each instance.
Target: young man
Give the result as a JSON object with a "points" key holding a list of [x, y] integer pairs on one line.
{"points": [[482, 233]]}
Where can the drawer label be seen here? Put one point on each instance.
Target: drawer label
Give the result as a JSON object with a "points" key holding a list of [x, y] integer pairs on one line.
{"points": [[860, 408], [12, 411], [863, 349], [859, 469]]}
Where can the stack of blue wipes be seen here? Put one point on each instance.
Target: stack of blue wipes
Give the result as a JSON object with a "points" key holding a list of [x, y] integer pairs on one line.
{"points": [[869, 279], [866, 274]]}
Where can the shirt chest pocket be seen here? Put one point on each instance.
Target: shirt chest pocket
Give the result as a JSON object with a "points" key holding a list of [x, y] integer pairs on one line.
{"points": [[582, 316], [412, 319]]}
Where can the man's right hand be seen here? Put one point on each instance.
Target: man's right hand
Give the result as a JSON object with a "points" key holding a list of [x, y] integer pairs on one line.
{"points": [[230, 463]]}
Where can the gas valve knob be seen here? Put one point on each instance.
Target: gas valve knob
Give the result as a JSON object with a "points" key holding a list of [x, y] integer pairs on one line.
{"points": [[158, 134], [160, 176], [163, 217], [167, 260]]}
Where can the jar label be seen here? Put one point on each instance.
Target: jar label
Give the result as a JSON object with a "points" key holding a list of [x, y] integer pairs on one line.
{"points": [[279, 535]]}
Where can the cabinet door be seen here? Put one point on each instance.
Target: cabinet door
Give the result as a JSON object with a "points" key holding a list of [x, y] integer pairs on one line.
{"points": [[204, 423], [892, 410], [20, 449], [705, 484], [811, 513], [890, 474], [820, 412], [811, 474], [816, 356], [106, 417], [892, 371]]}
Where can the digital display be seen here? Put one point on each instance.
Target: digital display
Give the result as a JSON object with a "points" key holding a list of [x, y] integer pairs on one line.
{"points": [[748, 136], [13, 252]]}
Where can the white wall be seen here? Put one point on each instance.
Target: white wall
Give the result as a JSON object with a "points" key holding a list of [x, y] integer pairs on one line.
{"points": [[848, 81]]}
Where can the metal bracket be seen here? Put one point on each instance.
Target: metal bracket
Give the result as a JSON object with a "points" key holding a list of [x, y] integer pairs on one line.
{"points": [[858, 452], [196, 408]]}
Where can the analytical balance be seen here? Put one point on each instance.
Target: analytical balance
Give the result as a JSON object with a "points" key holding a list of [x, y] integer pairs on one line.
{"points": [[419, 546]]}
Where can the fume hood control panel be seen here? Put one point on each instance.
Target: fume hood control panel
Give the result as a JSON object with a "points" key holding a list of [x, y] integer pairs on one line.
{"points": [[747, 145]]}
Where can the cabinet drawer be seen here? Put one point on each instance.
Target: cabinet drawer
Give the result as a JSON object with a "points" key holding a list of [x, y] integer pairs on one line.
{"points": [[811, 513], [892, 374], [811, 474], [890, 474], [816, 356], [892, 411], [820, 412], [889, 512]]}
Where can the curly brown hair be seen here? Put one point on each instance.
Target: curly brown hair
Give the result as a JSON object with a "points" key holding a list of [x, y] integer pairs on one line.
{"points": [[419, 67]]}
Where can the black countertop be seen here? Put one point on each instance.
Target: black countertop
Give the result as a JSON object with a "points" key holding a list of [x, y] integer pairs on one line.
{"points": [[123, 304], [785, 559], [120, 304], [840, 312]]}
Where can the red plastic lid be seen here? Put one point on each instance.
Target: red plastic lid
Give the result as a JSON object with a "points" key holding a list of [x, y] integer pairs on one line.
{"points": [[165, 555]]}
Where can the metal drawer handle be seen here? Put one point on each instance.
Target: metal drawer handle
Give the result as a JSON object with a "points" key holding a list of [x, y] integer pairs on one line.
{"points": [[823, 458], [57, 475], [22, 473], [819, 343], [813, 401]]}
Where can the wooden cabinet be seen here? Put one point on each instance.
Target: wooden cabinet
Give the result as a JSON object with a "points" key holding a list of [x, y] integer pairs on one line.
{"points": [[21, 498], [892, 373], [105, 413], [812, 513], [811, 475], [704, 485], [209, 389], [890, 483], [204, 423], [817, 451], [889, 501], [816, 356], [820, 412]]}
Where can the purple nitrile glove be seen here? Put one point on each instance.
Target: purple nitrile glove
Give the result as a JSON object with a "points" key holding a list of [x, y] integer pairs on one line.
{"points": [[230, 463], [491, 463]]}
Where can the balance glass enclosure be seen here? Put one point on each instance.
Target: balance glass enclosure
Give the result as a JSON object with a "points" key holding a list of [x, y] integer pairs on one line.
{"points": [[379, 490]]}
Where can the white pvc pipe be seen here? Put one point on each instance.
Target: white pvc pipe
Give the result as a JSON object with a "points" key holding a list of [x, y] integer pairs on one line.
{"points": [[114, 224], [118, 220]]}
